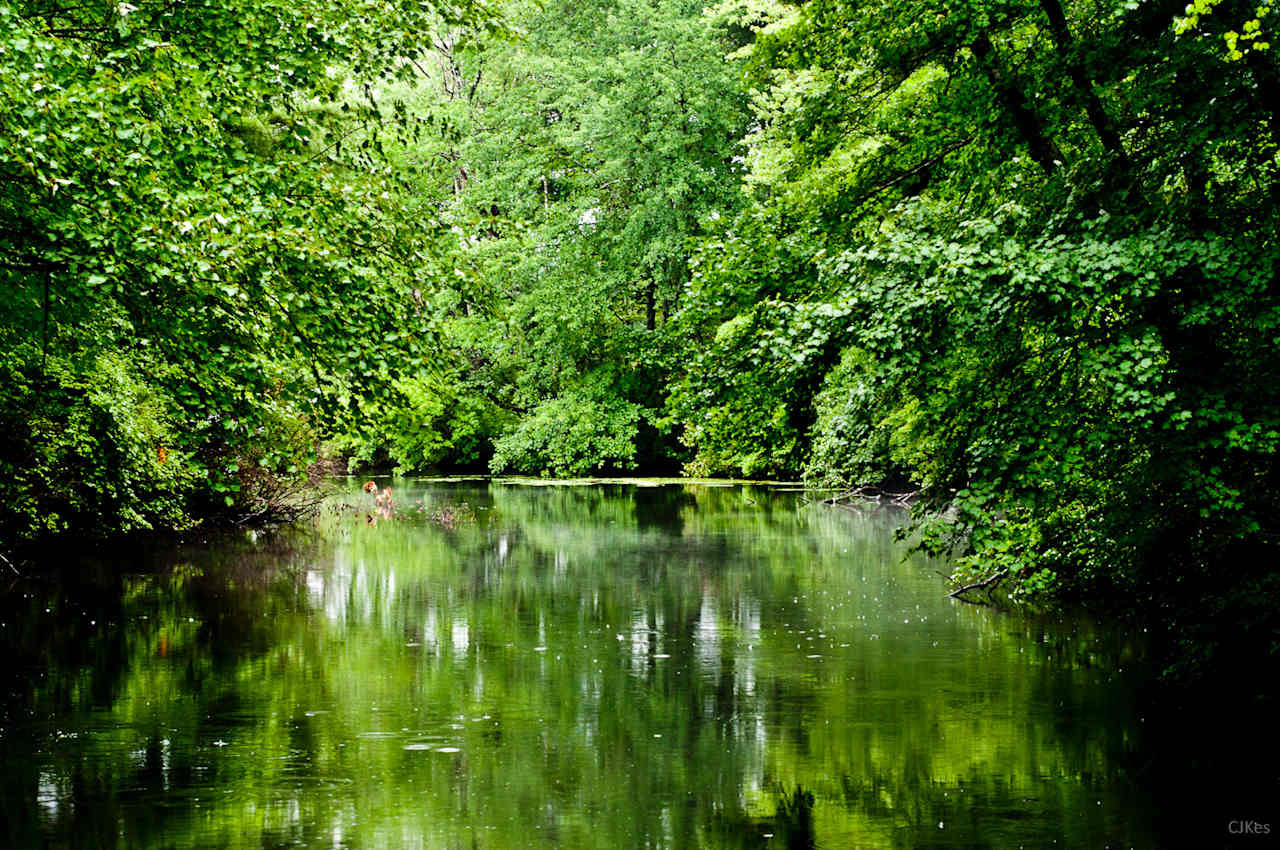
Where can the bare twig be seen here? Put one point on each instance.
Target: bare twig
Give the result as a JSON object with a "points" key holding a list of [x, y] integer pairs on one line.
{"points": [[10, 565], [989, 582]]}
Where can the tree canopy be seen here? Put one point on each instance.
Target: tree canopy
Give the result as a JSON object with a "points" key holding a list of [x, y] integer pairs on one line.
{"points": [[208, 261]]}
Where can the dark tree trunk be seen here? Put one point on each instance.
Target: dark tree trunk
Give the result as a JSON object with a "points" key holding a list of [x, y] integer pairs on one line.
{"points": [[1028, 124], [1082, 84]]}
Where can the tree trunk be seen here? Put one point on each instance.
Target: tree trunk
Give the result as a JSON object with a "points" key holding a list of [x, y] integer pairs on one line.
{"points": [[1083, 85], [1029, 126]]}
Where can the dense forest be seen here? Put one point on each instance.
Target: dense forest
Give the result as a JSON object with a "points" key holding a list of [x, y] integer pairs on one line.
{"points": [[1021, 256]]}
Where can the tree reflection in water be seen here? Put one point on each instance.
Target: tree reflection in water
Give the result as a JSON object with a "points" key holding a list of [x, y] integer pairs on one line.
{"points": [[613, 666]]}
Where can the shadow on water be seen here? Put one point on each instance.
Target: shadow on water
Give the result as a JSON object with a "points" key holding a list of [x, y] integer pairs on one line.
{"points": [[660, 509], [790, 827], [794, 821], [78, 640]]}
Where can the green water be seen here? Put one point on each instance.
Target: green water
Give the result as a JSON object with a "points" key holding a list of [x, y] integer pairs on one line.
{"points": [[610, 666]]}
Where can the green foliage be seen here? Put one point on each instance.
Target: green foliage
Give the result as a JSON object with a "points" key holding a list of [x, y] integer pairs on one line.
{"points": [[587, 153], [866, 430], [1049, 375], [746, 401], [571, 434], [105, 452], [441, 421], [1251, 37], [198, 199]]}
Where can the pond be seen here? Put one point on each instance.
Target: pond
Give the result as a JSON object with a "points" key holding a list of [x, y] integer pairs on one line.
{"points": [[622, 666]]}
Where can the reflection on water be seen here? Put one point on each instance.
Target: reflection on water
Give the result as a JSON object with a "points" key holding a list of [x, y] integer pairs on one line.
{"points": [[615, 666]]}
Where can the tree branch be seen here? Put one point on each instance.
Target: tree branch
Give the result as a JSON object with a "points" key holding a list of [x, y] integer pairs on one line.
{"points": [[987, 584]]}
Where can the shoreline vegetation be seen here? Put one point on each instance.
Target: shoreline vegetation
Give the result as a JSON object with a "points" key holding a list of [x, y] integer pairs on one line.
{"points": [[1024, 258]]}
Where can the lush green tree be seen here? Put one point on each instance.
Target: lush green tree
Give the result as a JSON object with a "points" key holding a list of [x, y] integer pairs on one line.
{"points": [[586, 152], [1022, 254], [207, 265]]}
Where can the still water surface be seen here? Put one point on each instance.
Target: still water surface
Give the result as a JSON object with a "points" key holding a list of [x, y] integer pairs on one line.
{"points": [[591, 667]]}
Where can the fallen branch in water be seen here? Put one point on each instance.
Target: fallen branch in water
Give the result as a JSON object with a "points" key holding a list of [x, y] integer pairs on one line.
{"points": [[872, 493], [270, 497], [987, 584], [10, 565]]}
